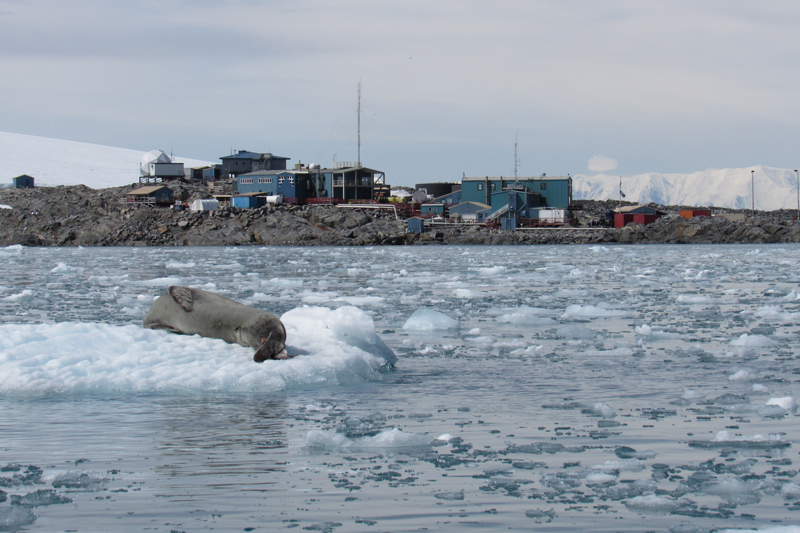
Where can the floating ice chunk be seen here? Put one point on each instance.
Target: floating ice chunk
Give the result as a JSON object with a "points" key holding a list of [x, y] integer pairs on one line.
{"points": [[492, 271], [774, 529], [758, 387], [577, 332], [786, 402], [328, 440], [526, 316], [25, 296], [579, 312], [726, 439], [692, 299], [15, 517], [776, 313], [474, 332], [693, 395], [39, 498], [772, 411], [600, 478], [601, 409], [746, 340], [622, 465], [734, 490], [468, 294], [78, 480], [63, 268], [319, 326], [430, 320], [742, 375], [446, 437], [652, 504], [392, 438], [549, 514], [449, 496], [790, 491], [13, 249], [180, 265]]}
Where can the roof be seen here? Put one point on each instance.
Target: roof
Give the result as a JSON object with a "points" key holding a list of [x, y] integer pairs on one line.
{"points": [[639, 209], [143, 191], [244, 154], [471, 207], [528, 178]]}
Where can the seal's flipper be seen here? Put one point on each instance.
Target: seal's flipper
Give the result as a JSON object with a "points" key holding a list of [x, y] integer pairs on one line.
{"points": [[159, 325], [183, 297]]}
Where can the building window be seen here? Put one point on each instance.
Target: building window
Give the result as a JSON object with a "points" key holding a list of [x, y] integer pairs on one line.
{"points": [[480, 186], [543, 186], [492, 186], [245, 181], [265, 180]]}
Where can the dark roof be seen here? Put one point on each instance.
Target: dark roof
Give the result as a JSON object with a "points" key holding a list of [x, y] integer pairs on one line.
{"points": [[144, 191], [244, 154]]}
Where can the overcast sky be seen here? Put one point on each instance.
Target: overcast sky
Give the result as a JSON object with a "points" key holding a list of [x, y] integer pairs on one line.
{"points": [[584, 86]]}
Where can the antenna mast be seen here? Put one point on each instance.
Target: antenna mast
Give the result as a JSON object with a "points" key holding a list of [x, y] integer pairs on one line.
{"points": [[516, 159], [359, 123]]}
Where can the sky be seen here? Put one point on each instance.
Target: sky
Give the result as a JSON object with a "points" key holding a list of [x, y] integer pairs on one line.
{"points": [[448, 87]]}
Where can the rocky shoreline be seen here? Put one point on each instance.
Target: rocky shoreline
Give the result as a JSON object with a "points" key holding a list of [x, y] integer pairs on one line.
{"points": [[80, 216]]}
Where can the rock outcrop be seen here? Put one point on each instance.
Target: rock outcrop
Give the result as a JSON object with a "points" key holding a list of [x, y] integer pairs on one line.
{"points": [[80, 216]]}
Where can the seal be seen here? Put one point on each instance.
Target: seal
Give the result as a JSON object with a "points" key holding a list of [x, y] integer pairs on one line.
{"points": [[197, 312]]}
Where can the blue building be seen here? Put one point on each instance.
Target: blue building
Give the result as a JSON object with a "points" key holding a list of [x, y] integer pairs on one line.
{"points": [[23, 182], [342, 184], [518, 198], [249, 201]]}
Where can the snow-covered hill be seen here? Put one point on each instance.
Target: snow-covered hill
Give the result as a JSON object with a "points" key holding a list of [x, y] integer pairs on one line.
{"points": [[57, 162], [775, 188]]}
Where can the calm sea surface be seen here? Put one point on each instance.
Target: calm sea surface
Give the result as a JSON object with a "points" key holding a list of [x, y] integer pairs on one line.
{"points": [[635, 388]]}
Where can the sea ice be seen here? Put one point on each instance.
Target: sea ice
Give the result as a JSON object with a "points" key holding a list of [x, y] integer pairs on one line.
{"points": [[392, 438], [652, 504], [786, 402], [746, 340], [39, 498], [14, 517], [742, 375], [580, 312], [430, 320], [577, 332]]}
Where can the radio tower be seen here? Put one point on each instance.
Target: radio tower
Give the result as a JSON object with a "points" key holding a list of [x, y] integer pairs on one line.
{"points": [[359, 123]]}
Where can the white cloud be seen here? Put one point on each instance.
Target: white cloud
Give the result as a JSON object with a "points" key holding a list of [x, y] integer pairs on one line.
{"points": [[602, 163]]}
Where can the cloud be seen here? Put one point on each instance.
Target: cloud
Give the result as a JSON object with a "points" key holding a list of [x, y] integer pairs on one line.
{"points": [[602, 163]]}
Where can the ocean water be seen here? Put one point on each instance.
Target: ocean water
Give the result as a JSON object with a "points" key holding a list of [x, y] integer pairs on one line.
{"points": [[455, 388]]}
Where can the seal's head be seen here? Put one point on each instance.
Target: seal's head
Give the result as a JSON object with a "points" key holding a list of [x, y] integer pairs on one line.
{"points": [[268, 336]]}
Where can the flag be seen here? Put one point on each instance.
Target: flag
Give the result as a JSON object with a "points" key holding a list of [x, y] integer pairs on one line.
{"points": [[621, 194]]}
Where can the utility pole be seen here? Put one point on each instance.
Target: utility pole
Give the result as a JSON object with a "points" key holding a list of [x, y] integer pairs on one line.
{"points": [[798, 192], [753, 190], [359, 123]]}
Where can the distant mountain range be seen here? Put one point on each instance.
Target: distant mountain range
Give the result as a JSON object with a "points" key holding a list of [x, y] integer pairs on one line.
{"points": [[775, 188], [58, 162]]}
